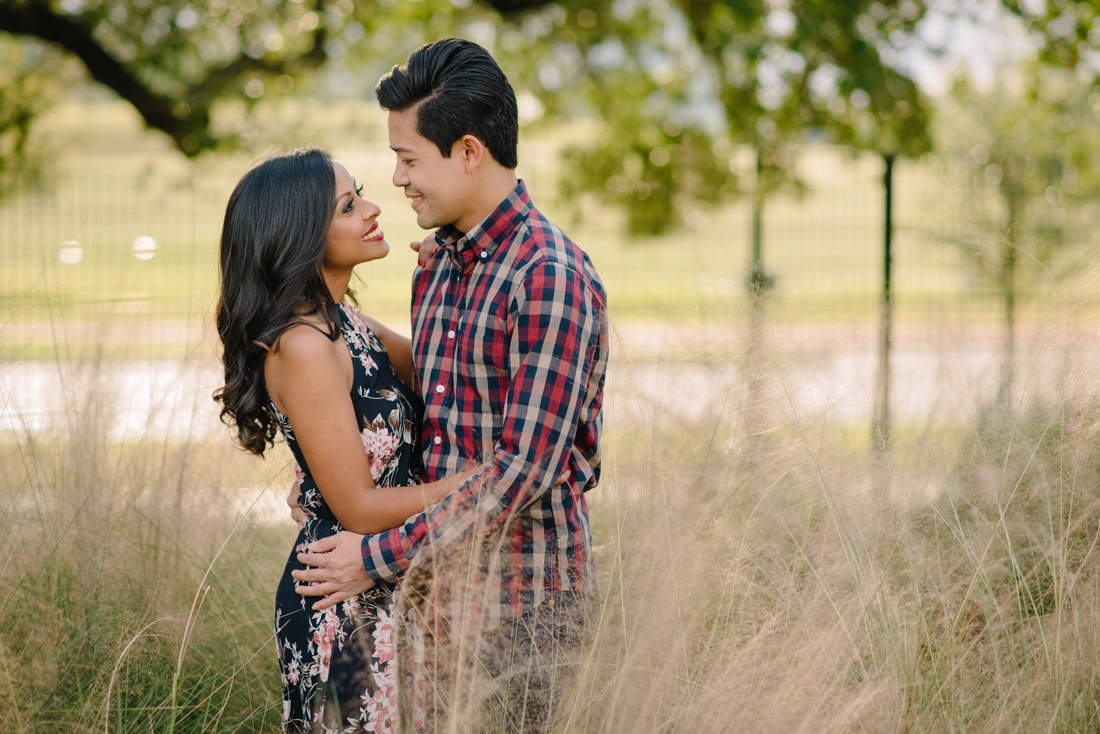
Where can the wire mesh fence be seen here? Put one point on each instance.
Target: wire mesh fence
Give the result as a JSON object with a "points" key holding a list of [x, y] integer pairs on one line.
{"points": [[115, 256], [139, 237]]}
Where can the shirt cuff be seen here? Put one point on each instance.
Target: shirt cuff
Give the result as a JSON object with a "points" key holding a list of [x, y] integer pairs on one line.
{"points": [[385, 555]]}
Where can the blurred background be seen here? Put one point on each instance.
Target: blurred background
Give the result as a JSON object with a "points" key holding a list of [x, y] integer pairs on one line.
{"points": [[847, 226], [912, 172]]}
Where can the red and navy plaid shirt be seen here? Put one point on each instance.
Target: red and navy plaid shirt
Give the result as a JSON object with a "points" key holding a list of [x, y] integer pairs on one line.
{"points": [[510, 341]]}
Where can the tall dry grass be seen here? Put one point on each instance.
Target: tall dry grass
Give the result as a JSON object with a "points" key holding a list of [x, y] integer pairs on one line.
{"points": [[763, 575], [790, 583], [137, 588]]}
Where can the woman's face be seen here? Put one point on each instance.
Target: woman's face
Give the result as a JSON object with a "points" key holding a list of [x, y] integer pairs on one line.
{"points": [[354, 236]]}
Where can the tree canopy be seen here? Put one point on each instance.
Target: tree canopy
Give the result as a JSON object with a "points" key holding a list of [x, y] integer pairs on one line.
{"points": [[674, 85]]}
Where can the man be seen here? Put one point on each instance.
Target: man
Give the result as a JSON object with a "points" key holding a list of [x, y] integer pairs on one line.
{"points": [[510, 342]]}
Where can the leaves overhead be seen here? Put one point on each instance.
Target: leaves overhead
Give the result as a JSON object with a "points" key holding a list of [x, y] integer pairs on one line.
{"points": [[680, 85], [174, 59], [675, 89]]}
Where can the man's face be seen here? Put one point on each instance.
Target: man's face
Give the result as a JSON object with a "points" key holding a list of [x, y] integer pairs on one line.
{"points": [[438, 187]]}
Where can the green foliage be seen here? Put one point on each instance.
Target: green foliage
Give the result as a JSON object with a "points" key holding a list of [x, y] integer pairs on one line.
{"points": [[174, 61], [1066, 28], [1023, 153], [783, 71], [31, 78], [633, 68], [673, 84], [652, 174], [677, 86]]}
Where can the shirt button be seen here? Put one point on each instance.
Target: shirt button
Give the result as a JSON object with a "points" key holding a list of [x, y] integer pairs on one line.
{"points": [[451, 334], [437, 440], [483, 255], [439, 389]]}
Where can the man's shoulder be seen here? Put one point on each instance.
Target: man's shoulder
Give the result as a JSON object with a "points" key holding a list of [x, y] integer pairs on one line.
{"points": [[541, 241], [538, 228]]}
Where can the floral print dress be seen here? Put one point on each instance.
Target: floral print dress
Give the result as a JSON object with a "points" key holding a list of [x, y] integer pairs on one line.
{"points": [[340, 666]]}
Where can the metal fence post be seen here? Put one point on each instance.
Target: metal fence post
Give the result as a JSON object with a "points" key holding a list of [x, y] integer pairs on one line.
{"points": [[880, 429]]}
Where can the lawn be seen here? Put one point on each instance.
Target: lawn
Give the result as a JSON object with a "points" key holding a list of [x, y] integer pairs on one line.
{"points": [[113, 184]]}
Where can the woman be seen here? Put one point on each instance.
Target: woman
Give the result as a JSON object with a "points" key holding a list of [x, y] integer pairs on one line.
{"points": [[299, 359]]}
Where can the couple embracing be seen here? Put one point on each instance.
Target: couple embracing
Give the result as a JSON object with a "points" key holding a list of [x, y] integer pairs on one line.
{"points": [[475, 440]]}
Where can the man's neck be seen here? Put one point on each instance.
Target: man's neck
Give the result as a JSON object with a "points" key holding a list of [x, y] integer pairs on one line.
{"points": [[493, 188]]}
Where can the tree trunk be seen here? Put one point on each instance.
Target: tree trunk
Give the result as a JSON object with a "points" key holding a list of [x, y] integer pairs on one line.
{"points": [[1009, 257]]}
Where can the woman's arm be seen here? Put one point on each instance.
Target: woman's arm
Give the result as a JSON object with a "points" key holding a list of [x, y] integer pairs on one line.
{"points": [[309, 378], [398, 347]]}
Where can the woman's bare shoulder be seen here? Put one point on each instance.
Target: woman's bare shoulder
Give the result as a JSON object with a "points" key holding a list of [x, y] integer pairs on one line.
{"points": [[303, 340]]}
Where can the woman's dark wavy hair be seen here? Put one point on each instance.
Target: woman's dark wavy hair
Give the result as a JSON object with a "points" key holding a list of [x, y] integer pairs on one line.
{"points": [[272, 245], [461, 91]]}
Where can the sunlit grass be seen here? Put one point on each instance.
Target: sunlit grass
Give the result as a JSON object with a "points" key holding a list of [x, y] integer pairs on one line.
{"points": [[762, 572], [138, 573], [821, 592], [762, 568]]}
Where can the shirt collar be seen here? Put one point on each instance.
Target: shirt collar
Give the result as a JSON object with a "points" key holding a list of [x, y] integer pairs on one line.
{"points": [[479, 244]]}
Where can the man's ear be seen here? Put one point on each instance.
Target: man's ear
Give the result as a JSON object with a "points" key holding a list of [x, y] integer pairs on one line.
{"points": [[473, 152]]}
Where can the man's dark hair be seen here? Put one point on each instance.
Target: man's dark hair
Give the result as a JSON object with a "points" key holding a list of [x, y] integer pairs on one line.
{"points": [[461, 91]]}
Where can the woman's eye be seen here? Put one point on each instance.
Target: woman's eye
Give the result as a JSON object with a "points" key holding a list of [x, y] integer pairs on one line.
{"points": [[359, 190]]}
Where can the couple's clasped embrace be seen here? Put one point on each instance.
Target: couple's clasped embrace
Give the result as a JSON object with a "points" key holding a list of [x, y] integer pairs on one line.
{"points": [[479, 437]]}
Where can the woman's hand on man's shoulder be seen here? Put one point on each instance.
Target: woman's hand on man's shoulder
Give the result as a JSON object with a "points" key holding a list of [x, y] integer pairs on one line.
{"points": [[424, 249]]}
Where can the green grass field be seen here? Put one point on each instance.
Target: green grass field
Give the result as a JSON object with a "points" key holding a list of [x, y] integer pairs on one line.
{"points": [[113, 183]]}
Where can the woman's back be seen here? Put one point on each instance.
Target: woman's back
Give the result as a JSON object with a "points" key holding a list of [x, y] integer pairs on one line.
{"points": [[387, 411]]}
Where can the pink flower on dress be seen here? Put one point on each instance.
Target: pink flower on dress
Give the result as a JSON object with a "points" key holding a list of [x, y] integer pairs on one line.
{"points": [[293, 659], [381, 447], [380, 711], [381, 708], [323, 638], [383, 637], [363, 337], [369, 365]]}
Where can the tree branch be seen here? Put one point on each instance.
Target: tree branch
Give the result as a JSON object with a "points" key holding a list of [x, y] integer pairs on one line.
{"points": [[187, 125], [188, 132], [514, 7]]}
